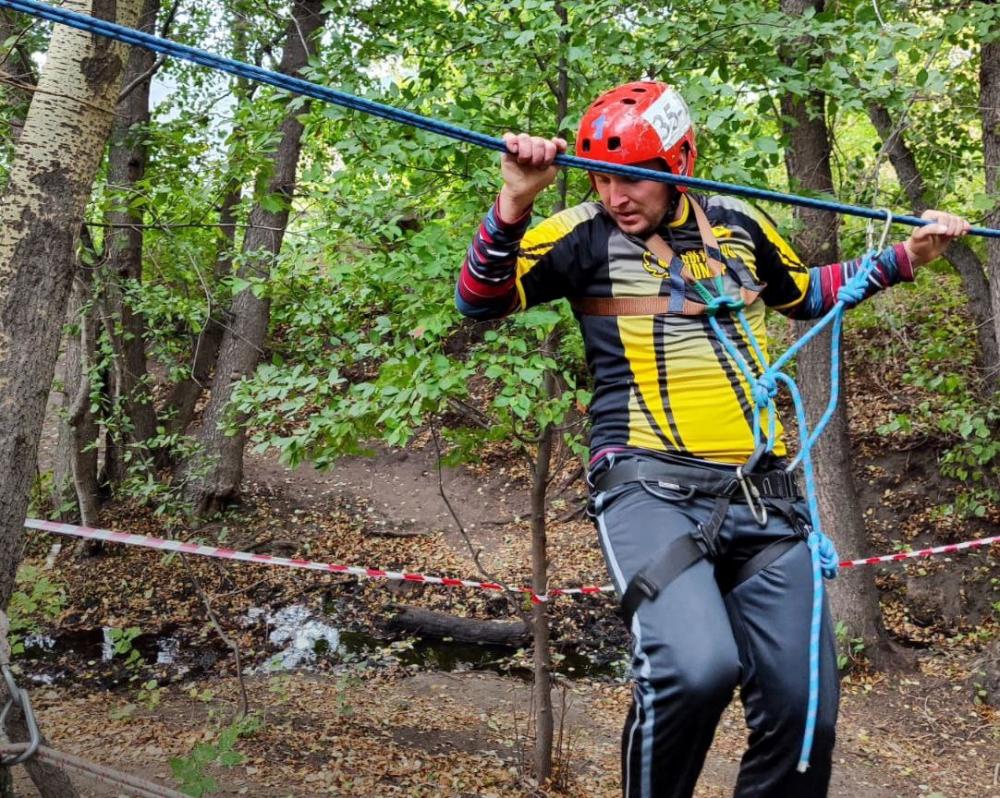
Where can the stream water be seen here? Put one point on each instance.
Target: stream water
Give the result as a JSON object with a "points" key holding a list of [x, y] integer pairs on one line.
{"points": [[297, 637]]}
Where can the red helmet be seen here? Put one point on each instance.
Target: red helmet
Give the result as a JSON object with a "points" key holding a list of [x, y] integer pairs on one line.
{"points": [[638, 122]]}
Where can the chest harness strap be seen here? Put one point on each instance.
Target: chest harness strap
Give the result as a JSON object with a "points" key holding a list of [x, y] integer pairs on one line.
{"points": [[676, 302]]}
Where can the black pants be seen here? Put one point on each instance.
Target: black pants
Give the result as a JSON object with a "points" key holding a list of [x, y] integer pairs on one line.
{"points": [[692, 645]]}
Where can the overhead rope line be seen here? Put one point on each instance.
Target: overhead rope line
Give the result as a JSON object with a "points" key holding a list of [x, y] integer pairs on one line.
{"points": [[308, 89]]}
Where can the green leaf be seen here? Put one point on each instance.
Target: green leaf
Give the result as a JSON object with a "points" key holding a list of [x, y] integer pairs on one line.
{"points": [[983, 202], [272, 203], [767, 145]]}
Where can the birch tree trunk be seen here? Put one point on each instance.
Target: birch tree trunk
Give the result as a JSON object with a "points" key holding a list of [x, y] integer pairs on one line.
{"points": [[807, 160], [55, 161], [213, 477]]}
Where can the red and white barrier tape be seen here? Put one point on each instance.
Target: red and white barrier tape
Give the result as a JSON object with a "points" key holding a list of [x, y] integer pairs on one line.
{"points": [[403, 576], [951, 548]]}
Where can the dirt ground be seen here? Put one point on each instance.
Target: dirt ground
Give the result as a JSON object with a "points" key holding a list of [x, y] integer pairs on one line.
{"points": [[385, 728], [463, 734]]}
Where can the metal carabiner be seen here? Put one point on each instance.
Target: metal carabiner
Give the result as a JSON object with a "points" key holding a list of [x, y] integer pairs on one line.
{"points": [[752, 495], [870, 231], [19, 698]]}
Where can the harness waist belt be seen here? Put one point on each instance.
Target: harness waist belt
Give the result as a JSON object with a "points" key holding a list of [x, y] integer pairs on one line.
{"points": [[770, 484]]}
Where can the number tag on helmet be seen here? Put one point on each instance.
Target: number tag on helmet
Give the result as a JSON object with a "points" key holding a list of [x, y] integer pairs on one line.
{"points": [[669, 117]]}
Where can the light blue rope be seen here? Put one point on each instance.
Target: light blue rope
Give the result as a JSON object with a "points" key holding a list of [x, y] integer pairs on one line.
{"points": [[308, 89], [763, 388]]}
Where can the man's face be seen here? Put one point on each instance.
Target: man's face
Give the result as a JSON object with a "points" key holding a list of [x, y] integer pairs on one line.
{"points": [[637, 206]]}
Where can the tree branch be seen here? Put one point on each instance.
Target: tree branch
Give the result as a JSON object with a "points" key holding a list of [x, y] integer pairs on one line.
{"points": [[233, 645]]}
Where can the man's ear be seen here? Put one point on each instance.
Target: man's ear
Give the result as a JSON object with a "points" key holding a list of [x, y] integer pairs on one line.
{"points": [[685, 157]]}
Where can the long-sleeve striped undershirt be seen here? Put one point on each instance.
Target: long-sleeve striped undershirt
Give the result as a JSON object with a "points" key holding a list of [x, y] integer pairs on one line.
{"points": [[487, 284]]}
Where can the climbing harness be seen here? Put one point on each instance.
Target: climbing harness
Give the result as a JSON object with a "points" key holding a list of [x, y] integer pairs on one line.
{"points": [[776, 488], [298, 86]]}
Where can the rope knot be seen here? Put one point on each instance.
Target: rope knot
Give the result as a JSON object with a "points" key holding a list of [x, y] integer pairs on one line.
{"points": [[850, 294], [853, 291], [765, 389], [828, 560]]}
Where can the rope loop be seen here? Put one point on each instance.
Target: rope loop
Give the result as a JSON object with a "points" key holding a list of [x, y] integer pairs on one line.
{"points": [[870, 229], [828, 559]]}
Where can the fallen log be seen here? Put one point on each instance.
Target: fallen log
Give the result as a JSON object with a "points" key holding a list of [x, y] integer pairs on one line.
{"points": [[428, 623]]}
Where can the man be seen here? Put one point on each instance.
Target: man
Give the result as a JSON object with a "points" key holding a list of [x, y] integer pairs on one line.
{"points": [[717, 589]]}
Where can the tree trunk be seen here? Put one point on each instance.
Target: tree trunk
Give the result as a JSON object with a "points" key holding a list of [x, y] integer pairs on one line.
{"points": [[807, 160], [542, 657], [75, 477], [79, 418], [214, 475], [51, 177], [542, 654], [122, 266], [989, 103], [429, 623], [63, 495], [178, 408], [959, 254]]}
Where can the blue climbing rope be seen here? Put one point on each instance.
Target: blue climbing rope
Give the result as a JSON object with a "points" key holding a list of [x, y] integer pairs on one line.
{"points": [[764, 385], [345, 100]]}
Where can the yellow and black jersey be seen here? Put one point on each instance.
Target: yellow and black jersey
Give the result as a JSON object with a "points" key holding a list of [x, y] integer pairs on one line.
{"points": [[661, 382]]}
